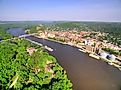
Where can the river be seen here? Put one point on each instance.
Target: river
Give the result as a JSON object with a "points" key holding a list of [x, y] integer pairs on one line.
{"points": [[16, 31], [85, 72]]}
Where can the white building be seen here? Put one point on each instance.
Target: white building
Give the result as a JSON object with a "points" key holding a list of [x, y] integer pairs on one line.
{"points": [[111, 57], [104, 55], [88, 42]]}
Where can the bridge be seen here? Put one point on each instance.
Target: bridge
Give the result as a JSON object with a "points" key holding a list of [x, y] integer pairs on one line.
{"points": [[21, 36], [25, 35]]}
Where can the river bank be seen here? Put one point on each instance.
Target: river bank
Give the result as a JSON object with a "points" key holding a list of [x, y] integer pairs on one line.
{"points": [[115, 63]]}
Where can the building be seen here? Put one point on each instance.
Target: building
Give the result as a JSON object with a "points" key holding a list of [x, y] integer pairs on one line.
{"points": [[31, 50], [89, 48], [104, 55], [51, 35], [111, 57], [88, 42]]}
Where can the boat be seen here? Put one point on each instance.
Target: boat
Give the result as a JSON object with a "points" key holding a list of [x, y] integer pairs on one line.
{"points": [[48, 48], [94, 56], [82, 50]]}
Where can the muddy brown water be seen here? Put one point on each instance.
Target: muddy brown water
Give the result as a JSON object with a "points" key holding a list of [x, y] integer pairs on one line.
{"points": [[86, 73]]}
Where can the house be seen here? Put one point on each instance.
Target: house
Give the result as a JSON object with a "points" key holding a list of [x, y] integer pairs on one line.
{"points": [[51, 35], [31, 50], [89, 48]]}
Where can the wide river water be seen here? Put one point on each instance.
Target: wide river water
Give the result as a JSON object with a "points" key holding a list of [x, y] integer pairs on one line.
{"points": [[85, 72]]}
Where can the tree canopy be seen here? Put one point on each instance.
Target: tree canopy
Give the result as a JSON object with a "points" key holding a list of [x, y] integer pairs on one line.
{"points": [[21, 71]]}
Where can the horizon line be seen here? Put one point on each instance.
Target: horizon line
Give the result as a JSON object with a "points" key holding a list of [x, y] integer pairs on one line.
{"points": [[57, 21]]}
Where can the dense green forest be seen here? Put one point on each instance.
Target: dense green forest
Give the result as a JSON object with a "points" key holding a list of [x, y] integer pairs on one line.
{"points": [[109, 27], [20, 70], [3, 34]]}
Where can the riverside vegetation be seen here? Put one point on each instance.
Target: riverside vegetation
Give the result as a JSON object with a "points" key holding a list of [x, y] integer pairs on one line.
{"points": [[21, 71]]}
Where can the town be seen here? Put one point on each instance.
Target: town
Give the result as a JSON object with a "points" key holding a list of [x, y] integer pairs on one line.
{"points": [[88, 42]]}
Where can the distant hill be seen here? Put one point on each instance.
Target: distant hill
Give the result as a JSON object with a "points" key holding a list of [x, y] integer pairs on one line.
{"points": [[110, 27], [26, 22]]}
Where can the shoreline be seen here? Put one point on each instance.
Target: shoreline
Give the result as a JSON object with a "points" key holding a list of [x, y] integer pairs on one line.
{"points": [[90, 54]]}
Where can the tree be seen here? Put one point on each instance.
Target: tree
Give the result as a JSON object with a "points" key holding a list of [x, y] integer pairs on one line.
{"points": [[21, 71]]}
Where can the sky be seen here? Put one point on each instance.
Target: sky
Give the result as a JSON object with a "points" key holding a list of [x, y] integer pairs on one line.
{"points": [[61, 10]]}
